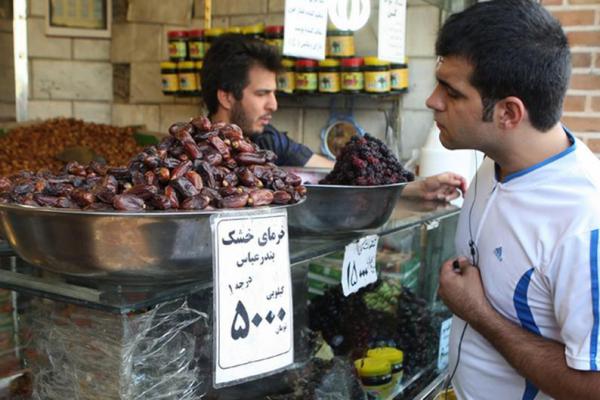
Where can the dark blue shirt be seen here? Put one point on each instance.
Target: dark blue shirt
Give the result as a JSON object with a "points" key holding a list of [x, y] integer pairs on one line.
{"points": [[289, 153]]}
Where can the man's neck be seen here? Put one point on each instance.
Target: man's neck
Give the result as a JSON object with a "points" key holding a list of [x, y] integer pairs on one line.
{"points": [[220, 116], [526, 149]]}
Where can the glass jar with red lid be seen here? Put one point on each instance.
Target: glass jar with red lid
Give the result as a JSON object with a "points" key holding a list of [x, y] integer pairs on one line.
{"points": [[306, 76], [352, 77], [274, 36], [178, 45]]}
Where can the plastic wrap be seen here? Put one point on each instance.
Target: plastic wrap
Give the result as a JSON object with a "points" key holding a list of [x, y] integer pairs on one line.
{"points": [[77, 353]]}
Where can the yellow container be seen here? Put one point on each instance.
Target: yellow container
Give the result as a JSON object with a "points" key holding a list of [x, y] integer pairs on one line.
{"points": [[210, 35], [233, 29], [339, 43], [307, 80], [446, 395], [375, 376], [396, 359], [199, 74], [188, 80], [399, 77], [329, 76], [286, 80], [377, 75], [168, 77], [256, 30]]}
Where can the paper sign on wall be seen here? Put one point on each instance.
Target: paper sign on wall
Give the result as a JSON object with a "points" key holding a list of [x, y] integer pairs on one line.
{"points": [[305, 28], [359, 268], [392, 30], [253, 324]]}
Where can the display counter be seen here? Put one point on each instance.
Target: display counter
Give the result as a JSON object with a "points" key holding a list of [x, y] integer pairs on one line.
{"points": [[105, 340]]}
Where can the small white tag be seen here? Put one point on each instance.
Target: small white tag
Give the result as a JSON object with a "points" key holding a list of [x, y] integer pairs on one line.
{"points": [[444, 348], [359, 264], [253, 325]]}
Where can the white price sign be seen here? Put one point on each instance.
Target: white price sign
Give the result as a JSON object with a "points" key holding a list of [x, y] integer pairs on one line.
{"points": [[392, 30], [305, 28], [444, 349], [253, 321], [359, 264]]}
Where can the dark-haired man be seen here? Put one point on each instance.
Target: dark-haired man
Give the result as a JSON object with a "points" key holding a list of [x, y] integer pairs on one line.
{"points": [[525, 293], [238, 86]]}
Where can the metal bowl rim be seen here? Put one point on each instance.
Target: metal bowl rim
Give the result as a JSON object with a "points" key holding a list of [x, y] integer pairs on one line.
{"points": [[148, 214], [373, 187]]}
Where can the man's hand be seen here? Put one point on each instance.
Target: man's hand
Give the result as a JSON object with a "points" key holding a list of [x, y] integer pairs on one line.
{"points": [[462, 291], [446, 186]]}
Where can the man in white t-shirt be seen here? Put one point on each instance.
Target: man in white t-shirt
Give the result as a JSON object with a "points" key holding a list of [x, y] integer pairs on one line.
{"points": [[526, 290]]}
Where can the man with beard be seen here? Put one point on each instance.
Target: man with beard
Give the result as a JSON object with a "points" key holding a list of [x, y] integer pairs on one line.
{"points": [[238, 86]]}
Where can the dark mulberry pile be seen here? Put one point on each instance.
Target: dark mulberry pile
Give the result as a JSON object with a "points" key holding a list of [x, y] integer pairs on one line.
{"points": [[200, 166], [366, 161]]}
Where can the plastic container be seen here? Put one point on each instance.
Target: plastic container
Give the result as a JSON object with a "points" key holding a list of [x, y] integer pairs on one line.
{"points": [[352, 78], [256, 31], [177, 45], [399, 77], [377, 75], [329, 76], [274, 36], [286, 80], [210, 35], [375, 376], [396, 359], [306, 76], [198, 67], [168, 77], [233, 29], [339, 43], [188, 80], [196, 44]]}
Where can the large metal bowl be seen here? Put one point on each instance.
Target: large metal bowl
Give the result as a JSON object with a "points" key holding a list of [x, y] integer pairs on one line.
{"points": [[129, 247], [341, 209]]}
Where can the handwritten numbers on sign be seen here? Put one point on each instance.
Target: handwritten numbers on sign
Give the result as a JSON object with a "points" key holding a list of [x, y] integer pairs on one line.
{"points": [[359, 268], [253, 326]]}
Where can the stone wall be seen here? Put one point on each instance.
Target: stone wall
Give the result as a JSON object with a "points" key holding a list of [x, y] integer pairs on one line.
{"points": [[7, 69]]}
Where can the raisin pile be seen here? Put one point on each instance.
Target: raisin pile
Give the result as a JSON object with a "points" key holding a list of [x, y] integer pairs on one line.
{"points": [[366, 161], [199, 166]]}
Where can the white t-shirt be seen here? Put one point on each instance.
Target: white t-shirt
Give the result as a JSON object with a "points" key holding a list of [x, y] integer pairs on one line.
{"points": [[536, 235]]}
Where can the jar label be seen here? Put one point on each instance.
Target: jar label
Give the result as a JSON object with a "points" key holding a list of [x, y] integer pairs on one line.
{"points": [[286, 82], [306, 81], [377, 81], [188, 81], [353, 81], [169, 82], [340, 46], [329, 82], [177, 50], [399, 78], [196, 50]]}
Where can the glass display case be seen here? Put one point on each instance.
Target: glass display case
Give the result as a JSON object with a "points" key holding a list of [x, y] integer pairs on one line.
{"points": [[102, 340]]}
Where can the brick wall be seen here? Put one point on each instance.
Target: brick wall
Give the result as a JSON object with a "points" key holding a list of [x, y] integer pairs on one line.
{"points": [[581, 22]]}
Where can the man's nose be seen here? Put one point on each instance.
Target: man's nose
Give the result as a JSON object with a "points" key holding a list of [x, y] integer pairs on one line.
{"points": [[272, 102], [435, 101]]}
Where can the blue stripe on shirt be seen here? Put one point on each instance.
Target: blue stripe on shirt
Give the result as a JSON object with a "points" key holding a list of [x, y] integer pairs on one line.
{"points": [[595, 311], [527, 321]]}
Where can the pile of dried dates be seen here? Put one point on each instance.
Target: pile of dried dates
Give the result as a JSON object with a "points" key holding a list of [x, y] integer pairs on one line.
{"points": [[366, 161], [199, 166]]}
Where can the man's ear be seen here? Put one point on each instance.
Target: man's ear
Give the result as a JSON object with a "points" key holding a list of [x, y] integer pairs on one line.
{"points": [[510, 111], [226, 99]]}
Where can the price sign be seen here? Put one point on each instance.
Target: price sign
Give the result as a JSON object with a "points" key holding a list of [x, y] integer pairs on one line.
{"points": [[253, 325], [444, 349], [359, 264], [305, 28], [392, 30]]}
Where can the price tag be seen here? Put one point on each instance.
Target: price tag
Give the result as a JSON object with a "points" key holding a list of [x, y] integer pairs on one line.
{"points": [[359, 264], [305, 28], [444, 349], [253, 321], [392, 30]]}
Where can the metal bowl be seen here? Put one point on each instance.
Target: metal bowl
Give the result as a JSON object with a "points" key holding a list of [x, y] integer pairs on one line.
{"points": [[341, 209], [132, 247]]}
